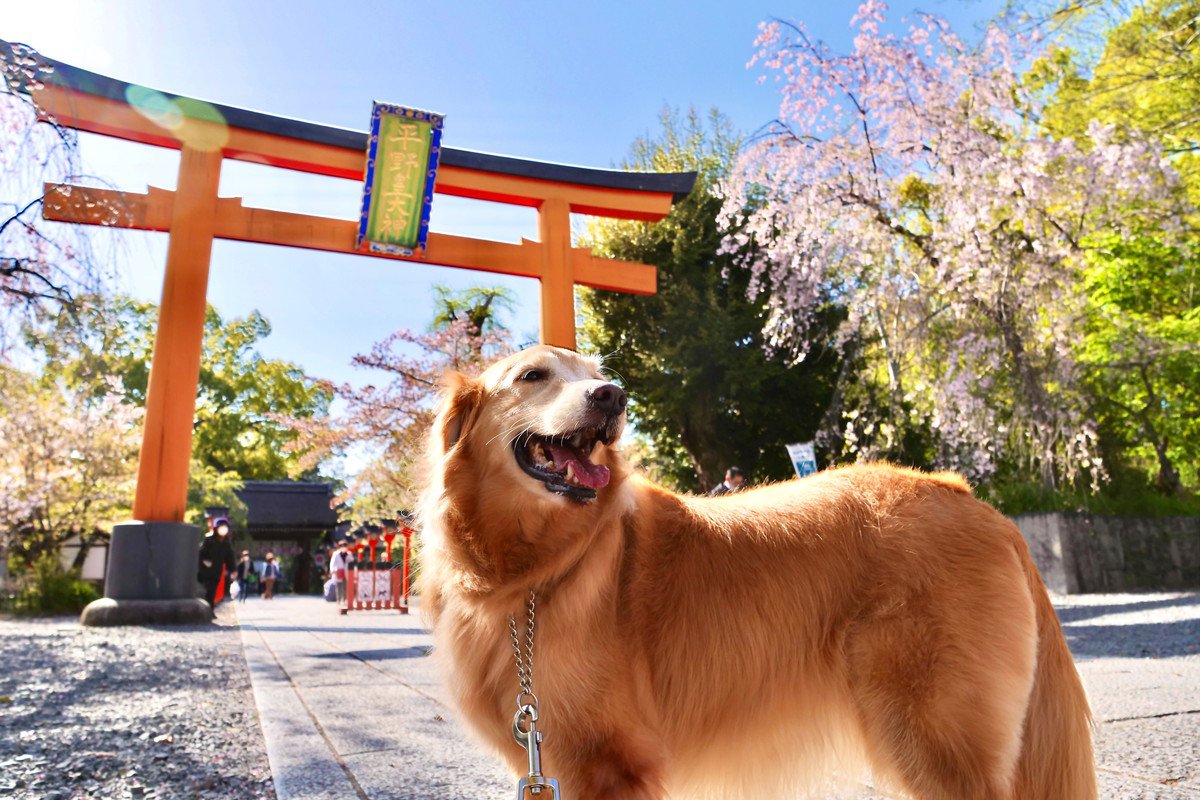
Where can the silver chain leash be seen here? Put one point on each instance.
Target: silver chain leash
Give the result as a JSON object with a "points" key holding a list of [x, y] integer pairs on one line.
{"points": [[525, 729], [524, 663]]}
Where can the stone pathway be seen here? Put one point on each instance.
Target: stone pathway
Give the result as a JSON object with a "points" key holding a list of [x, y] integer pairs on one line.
{"points": [[1139, 655], [352, 707]]}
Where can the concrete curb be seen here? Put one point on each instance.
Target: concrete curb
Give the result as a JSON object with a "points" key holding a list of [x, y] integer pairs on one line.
{"points": [[303, 765]]}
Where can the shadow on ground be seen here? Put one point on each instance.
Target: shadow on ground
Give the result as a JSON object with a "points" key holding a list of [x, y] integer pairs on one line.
{"points": [[329, 629], [1122, 630], [1079, 613], [386, 654]]}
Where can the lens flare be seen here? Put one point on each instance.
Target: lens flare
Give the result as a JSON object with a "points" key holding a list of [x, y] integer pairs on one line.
{"points": [[195, 123], [154, 106]]}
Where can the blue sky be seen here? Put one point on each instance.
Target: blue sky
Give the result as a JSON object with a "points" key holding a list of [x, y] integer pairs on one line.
{"points": [[568, 82]]}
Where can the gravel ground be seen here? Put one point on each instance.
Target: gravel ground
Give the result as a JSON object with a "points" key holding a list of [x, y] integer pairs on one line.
{"points": [[113, 713]]}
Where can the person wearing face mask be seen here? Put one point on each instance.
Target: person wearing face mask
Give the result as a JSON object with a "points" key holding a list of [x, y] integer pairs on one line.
{"points": [[216, 560], [734, 479]]}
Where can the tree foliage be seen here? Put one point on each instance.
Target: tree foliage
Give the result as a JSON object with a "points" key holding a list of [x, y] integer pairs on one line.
{"points": [[1140, 350], [478, 306], [703, 390], [239, 394], [68, 462], [1145, 79], [913, 179], [43, 265], [1140, 347]]}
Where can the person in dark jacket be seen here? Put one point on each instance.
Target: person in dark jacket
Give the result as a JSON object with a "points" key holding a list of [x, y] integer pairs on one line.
{"points": [[215, 552], [245, 574], [733, 482]]}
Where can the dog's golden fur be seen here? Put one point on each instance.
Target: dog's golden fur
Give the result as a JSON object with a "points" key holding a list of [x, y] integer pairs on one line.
{"points": [[761, 644]]}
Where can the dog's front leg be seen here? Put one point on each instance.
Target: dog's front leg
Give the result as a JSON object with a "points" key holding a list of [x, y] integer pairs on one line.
{"points": [[613, 768]]}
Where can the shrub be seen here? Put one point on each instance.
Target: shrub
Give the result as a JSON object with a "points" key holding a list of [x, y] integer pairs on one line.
{"points": [[49, 589], [1121, 498]]}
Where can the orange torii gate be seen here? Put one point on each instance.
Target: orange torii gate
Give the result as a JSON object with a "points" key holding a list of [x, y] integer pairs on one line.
{"points": [[193, 215]]}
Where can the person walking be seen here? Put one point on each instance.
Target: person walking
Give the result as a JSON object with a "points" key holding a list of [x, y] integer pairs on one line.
{"points": [[216, 561], [339, 567], [270, 575], [245, 572], [733, 481]]}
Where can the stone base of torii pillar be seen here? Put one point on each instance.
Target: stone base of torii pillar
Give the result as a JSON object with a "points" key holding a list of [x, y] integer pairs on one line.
{"points": [[151, 577]]}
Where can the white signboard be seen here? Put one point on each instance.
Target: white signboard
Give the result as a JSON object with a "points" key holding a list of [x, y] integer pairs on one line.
{"points": [[382, 590], [803, 457]]}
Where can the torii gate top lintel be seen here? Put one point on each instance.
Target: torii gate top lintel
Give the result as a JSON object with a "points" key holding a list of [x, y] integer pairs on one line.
{"points": [[207, 133], [88, 101]]}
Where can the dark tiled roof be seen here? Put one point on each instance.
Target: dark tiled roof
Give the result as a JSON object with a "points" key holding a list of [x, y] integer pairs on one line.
{"points": [[288, 504]]}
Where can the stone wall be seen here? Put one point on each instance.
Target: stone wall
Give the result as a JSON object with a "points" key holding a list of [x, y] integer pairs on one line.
{"points": [[1082, 553]]}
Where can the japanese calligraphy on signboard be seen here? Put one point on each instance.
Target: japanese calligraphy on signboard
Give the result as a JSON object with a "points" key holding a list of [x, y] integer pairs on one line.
{"points": [[402, 162]]}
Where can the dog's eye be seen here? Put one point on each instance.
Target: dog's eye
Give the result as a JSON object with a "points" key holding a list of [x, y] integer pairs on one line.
{"points": [[534, 375]]}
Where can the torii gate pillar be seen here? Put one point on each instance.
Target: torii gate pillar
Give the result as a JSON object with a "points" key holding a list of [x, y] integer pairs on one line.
{"points": [[175, 366], [558, 285], [154, 581]]}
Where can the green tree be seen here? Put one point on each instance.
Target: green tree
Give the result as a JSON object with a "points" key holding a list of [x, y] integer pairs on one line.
{"points": [[1146, 76], [478, 305], [703, 389], [1141, 344], [240, 394], [1141, 350]]}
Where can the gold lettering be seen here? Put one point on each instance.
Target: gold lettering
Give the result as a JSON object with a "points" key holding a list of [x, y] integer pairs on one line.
{"points": [[402, 168]]}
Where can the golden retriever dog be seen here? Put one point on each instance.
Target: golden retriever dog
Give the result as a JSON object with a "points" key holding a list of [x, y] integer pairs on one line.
{"points": [[784, 640]]}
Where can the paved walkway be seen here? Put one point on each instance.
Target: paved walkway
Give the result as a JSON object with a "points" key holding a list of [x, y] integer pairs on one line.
{"points": [[1139, 655], [352, 707]]}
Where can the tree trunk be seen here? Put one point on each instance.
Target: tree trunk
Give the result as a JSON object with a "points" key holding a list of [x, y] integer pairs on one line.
{"points": [[85, 545], [1168, 479], [710, 455], [1034, 393]]}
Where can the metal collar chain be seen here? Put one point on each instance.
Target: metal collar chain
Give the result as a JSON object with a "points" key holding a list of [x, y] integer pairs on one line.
{"points": [[525, 729], [524, 662]]}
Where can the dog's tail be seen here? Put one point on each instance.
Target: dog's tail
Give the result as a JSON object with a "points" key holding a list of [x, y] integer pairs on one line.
{"points": [[1056, 761]]}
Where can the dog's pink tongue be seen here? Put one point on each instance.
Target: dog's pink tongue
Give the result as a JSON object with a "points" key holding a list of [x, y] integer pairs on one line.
{"points": [[593, 476]]}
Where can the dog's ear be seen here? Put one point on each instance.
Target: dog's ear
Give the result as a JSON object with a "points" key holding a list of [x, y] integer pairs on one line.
{"points": [[461, 402]]}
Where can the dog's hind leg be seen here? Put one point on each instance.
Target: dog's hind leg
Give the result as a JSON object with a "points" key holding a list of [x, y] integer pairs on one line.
{"points": [[941, 714]]}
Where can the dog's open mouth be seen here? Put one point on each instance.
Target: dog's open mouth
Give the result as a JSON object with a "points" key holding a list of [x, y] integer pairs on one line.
{"points": [[563, 463]]}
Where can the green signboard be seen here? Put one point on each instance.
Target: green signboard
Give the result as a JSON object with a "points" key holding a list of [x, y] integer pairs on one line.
{"points": [[402, 161]]}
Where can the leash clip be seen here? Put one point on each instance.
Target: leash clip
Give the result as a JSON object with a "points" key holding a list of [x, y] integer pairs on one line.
{"points": [[528, 736]]}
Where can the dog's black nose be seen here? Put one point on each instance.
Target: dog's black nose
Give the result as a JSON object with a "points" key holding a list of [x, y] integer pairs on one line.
{"points": [[609, 398]]}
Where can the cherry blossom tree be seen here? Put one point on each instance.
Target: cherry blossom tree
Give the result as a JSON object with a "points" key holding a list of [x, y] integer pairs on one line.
{"points": [[387, 424], [68, 463], [43, 265], [910, 181]]}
